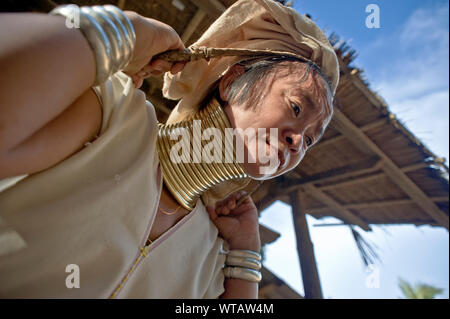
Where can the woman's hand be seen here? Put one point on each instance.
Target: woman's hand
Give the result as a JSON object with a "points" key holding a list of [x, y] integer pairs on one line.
{"points": [[237, 225], [152, 37]]}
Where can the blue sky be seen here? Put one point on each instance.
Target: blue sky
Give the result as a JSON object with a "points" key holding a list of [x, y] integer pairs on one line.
{"points": [[406, 62]]}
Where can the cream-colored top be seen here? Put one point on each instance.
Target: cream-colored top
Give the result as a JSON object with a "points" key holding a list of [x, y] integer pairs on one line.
{"points": [[95, 210]]}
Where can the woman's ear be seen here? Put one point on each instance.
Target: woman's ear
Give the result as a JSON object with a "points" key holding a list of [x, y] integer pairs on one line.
{"points": [[233, 73]]}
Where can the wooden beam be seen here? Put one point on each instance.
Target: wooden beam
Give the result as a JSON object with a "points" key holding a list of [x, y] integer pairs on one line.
{"points": [[320, 211], [267, 235], [305, 248], [331, 140], [381, 203], [414, 167], [417, 222], [339, 138], [387, 203], [213, 8], [330, 224], [364, 167], [266, 290], [193, 25], [346, 215], [364, 143], [323, 210], [341, 126], [362, 179], [359, 180], [440, 199], [374, 124]]}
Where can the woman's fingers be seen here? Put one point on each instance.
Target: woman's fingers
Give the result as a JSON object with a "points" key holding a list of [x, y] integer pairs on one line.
{"points": [[212, 212], [163, 66], [155, 68], [231, 204], [223, 210], [177, 67], [160, 65], [226, 206]]}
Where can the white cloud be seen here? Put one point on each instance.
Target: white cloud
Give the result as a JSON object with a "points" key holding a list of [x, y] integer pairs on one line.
{"points": [[427, 116], [430, 24], [415, 81]]}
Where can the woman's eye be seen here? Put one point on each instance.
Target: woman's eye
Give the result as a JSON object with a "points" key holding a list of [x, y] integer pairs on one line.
{"points": [[308, 141], [296, 109]]}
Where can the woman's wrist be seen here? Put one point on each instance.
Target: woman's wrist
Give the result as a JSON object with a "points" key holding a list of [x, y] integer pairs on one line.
{"points": [[135, 19], [250, 243], [110, 34], [243, 264]]}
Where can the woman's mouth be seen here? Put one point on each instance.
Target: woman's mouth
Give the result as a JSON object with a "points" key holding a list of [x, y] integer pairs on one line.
{"points": [[281, 158]]}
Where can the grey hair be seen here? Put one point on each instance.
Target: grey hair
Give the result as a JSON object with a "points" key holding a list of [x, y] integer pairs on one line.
{"points": [[245, 89]]}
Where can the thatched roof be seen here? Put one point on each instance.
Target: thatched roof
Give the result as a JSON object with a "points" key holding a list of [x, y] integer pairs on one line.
{"points": [[272, 287]]}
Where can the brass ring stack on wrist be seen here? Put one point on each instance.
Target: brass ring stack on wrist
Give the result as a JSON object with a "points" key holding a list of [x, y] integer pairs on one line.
{"points": [[243, 264], [109, 33]]}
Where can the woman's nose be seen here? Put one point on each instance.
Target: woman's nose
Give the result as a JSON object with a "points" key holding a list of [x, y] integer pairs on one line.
{"points": [[294, 142]]}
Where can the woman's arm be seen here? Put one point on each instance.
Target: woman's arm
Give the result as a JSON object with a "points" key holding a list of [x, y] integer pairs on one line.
{"points": [[238, 288], [240, 228], [47, 109], [57, 140], [44, 67]]}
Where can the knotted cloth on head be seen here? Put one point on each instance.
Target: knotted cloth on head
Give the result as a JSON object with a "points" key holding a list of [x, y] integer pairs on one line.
{"points": [[250, 24]]}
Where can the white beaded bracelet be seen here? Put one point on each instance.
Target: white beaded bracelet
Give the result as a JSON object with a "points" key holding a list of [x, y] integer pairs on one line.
{"points": [[109, 33]]}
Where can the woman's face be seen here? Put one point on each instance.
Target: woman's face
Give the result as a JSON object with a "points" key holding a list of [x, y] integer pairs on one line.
{"points": [[298, 117]]}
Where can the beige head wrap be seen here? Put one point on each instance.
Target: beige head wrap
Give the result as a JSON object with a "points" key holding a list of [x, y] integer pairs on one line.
{"points": [[251, 24]]}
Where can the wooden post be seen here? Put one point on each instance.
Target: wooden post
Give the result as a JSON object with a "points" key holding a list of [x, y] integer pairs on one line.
{"points": [[310, 275]]}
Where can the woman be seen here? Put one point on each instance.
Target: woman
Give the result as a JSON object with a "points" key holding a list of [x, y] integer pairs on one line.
{"points": [[85, 165]]}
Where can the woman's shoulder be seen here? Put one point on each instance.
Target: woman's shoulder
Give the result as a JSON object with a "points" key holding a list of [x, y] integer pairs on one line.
{"points": [[121, 101]]}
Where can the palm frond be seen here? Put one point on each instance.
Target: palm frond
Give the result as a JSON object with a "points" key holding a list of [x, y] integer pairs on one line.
{"points": [[424, 291], [419, 291], [367, 250], [407, 289]]}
